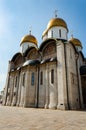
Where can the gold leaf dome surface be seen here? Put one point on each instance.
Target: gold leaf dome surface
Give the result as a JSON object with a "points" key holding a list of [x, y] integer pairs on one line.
{"points": [[55, 22], [29, 38], [75, 42]]}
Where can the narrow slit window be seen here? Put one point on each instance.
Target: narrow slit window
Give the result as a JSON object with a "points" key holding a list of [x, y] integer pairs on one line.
{"points": [[32, 79], [16, 81], [23, 79], [52, 76], [51, 33], [41, 78], [59, 32]]}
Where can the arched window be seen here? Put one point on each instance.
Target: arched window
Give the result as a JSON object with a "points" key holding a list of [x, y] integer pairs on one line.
{"points": [[52, 76]]}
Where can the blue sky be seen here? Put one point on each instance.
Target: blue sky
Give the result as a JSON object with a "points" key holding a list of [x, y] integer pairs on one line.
{"points": [[18, 16]]}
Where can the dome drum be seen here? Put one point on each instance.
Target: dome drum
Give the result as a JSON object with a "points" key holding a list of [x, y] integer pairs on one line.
{"points": [[57, 32]]}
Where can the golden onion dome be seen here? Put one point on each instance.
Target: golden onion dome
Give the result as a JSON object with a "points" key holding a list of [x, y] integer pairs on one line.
{"points": [[75, 42], [29, 38], [55, 22]]}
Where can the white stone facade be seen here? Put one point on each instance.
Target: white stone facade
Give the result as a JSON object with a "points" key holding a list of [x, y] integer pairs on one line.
{"points": [[47, 77]]}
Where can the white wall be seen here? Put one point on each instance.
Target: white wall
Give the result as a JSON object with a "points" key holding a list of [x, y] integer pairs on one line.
{"points": [[25, 46]]}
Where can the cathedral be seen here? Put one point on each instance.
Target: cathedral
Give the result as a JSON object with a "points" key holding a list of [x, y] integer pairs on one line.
{"points": [[52, 75]]}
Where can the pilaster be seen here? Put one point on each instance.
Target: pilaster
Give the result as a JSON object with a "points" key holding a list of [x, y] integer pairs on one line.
{"points": [[47, 86], [19, 90], [26, 95], [61, 76], [7, 84], [80, 89]]}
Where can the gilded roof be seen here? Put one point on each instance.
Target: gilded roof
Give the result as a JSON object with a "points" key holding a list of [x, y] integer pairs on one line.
{"points": [[76, 42], [55, 22], [29, 38]]}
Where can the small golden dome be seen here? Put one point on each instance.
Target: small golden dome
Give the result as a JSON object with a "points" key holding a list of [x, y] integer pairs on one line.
{"points": [[75, 42], [29, 38], [55, 22]]}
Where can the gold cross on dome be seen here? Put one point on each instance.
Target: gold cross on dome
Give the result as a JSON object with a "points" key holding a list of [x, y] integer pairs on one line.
{"points": [[56, 13], [30, 29], [71, 33]]}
